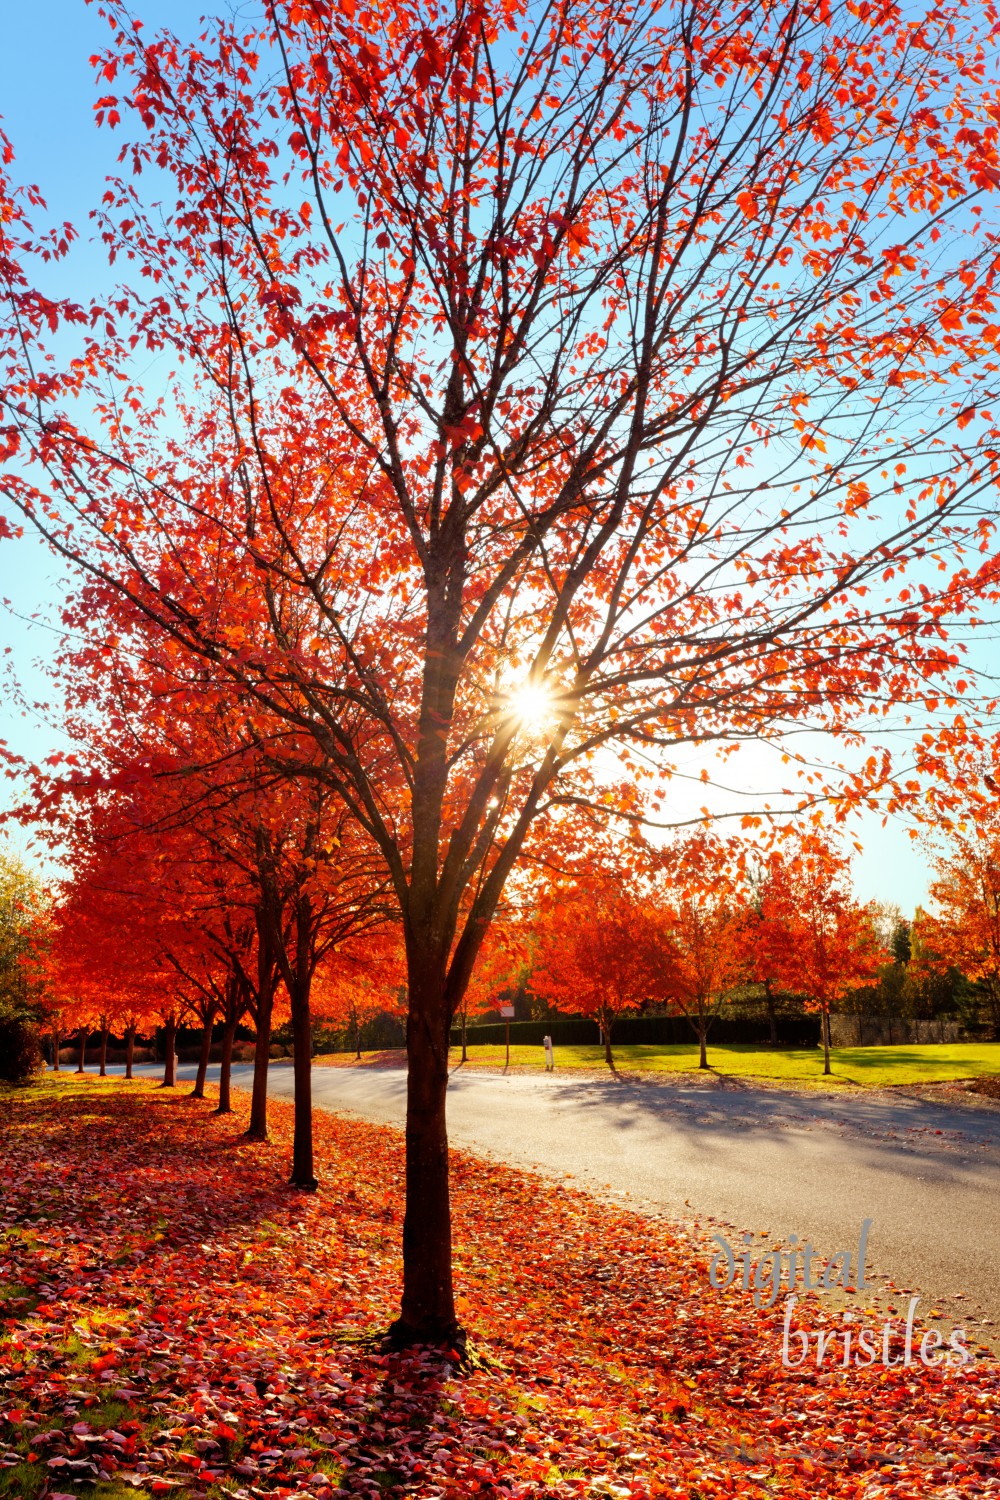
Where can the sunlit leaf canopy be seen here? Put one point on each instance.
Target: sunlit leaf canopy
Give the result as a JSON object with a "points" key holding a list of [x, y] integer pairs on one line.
{"points": [[622, 353]]}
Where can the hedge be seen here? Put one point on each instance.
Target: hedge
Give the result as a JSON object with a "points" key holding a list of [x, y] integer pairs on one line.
{"points": [[20, 1053], [579, 1031]]}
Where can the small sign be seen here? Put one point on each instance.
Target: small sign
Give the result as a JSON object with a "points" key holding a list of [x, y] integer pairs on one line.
{"points": [[507, 1011]]}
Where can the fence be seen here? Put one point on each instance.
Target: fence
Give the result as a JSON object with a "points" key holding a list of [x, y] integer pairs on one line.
{"points": [[579, 1031], [69, 1056], [889, 1031]]}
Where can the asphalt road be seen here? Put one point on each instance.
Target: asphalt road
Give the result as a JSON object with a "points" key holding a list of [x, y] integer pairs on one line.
{"points": [[742, 1158]]}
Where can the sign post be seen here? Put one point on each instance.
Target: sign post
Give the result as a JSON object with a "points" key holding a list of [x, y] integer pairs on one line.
{"points": [[507, 1011]]}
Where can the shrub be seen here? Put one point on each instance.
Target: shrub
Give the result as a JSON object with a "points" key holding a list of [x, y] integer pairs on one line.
{"points": [[20, 1052]]}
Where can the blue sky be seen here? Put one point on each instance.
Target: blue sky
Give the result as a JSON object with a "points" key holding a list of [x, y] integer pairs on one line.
{"points": [[47, 91]]}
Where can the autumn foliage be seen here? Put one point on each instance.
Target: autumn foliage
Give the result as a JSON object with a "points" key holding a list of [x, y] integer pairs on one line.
{"points": [[964, 928], [212, 1332], [596, 950], [552, 385], [809, 933]]}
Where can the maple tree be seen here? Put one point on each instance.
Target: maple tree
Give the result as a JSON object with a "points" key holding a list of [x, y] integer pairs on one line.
{"points": [[964, 930], [206, 999], [317, 901], [808, 933], [135, 1023], [250, 880], [100, 984], [698, 928], [596, 950], [359, 982], [112, 924], [552, 380], [254, 891], [764, 939]]}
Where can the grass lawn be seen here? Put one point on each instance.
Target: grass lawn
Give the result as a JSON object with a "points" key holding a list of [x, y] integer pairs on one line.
{"points": [[852, 1066], [177, 1321], [874, 1066]]}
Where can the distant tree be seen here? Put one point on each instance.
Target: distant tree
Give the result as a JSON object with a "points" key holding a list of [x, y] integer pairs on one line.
{"points": [[699, 928], [890, 998], [937, 987], [822, 941], [24, 938], [900, 944], [966, 931], [597, 950], [358, 982], [763, 939]]}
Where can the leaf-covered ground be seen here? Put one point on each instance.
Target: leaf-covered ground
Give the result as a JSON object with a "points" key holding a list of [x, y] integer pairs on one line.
{"points": [[175, 1320]]}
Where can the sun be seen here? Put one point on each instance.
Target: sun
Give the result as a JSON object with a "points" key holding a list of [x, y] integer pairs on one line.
{"points": [[533, 706]]}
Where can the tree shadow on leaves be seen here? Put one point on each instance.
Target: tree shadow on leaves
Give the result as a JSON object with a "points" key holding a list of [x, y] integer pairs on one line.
{"points": [[170, 1188]]}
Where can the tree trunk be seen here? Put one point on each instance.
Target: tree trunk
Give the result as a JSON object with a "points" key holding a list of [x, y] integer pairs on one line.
{"points": [[427, 1314], [606, 1034], [826, 1042], [55, 1052], [104, 1052], [198, 1092], [82, 1045], [302, 1140], [357, 1036], [170, 1060], [257, 1128], [129, 1049], [465, 1048], [225, 1071], [702, 1047], [771, 1012]]}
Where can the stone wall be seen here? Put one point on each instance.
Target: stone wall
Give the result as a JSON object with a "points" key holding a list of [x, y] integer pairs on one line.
{"points": [[886, 1031]]}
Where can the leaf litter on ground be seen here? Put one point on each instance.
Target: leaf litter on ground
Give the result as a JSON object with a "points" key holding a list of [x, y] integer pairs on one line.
{"points": [[175, 1320]]}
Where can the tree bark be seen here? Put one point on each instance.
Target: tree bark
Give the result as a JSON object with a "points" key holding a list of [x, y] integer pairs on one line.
{"points": [[702, 1046], [826, 1041], [129, 1049], [82, 1045], [257, 1128], [771, 1012], [170, 1060], [357, 1036], [303, 1175], [427, 1313], [55, 1052], [104, 1052], [606, 1033], [225, 1072], [465, 1048], [198, 1092]]}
